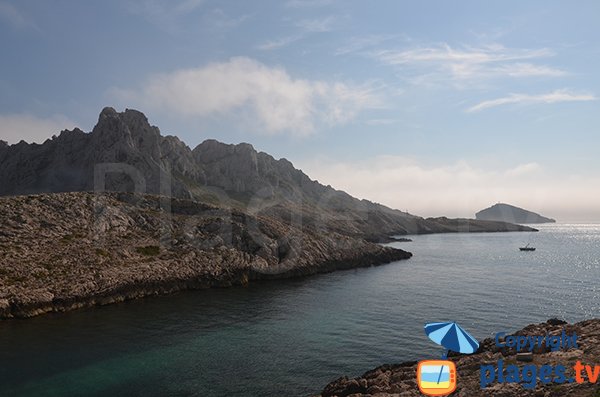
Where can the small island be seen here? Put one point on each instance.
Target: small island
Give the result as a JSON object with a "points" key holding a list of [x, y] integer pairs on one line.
{"points": [[509, 213]]}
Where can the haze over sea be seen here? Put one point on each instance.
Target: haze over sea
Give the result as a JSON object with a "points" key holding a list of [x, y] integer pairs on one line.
{"points": [[292, 337]]}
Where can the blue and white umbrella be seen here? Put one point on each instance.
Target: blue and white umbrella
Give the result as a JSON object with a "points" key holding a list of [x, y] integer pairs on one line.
{"points": [[452, 337]]}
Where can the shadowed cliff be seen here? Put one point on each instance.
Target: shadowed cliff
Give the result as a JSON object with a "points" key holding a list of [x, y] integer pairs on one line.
{"points": [[63, 251], [125, 153]]}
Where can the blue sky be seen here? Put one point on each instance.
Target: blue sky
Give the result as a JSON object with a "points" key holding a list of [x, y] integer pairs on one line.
{"points": [[439, 108]]}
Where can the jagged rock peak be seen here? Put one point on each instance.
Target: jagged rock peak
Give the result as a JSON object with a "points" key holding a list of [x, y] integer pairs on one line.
{"points": [[224, 174], [108, 112], [131, 124], [75, 132], [213, 144], [130, 117], [212, 150], [134, 116]]}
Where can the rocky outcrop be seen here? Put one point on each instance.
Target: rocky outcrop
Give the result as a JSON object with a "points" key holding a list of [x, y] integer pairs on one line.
{"points": [[509, 213], [400, 379], [463, 225], [125, 153], [63, 251], [122, 153]]}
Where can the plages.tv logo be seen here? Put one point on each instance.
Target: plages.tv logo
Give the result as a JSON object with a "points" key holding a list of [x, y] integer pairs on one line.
{"points": [[438, 377]]}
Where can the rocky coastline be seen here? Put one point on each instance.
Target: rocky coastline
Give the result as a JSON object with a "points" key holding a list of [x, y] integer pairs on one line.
{"points": [[399, 380], [64, 251], [213, 216]]}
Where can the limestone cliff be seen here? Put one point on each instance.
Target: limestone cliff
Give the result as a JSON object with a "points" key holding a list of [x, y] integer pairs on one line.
{"points": [[62, 251], [125, 153]]}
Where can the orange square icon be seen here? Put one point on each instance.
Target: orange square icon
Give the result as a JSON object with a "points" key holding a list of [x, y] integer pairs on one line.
{"points": [[436, 377]]}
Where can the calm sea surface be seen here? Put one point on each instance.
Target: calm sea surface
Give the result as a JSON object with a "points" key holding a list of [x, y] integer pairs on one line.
{"points": [[290, 338]]}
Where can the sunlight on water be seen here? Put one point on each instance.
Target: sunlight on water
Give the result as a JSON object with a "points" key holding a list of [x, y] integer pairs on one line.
{"points": [[292, 337]]}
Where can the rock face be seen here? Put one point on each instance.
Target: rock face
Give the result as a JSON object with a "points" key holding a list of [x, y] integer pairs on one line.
{"points": [[399, 380], [216, 215], [236, 215], [63, 251], [125, 153], [509, 213]]}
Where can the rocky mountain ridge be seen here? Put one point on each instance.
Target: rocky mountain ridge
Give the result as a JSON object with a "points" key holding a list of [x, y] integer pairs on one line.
{"points": [[123, 212], [124, 152]]}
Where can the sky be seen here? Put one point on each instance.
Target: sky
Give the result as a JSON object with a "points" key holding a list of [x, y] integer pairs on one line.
{"points": [[437, 108]]}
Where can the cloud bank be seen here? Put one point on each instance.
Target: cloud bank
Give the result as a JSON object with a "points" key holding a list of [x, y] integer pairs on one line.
{"points": [[552, 97], [263, 98], [460, 189], [30, 128], [466, 63]]}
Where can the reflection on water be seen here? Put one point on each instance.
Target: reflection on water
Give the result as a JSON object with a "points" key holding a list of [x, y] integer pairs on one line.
{"points": [[292, 337]]}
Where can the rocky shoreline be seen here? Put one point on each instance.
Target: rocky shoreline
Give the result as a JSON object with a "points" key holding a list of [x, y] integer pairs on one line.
{"points": [[399, 380], [64, 251]]}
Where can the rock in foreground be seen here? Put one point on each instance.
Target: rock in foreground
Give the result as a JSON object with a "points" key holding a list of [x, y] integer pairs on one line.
{"points": [[68, 250], [399, 380]]}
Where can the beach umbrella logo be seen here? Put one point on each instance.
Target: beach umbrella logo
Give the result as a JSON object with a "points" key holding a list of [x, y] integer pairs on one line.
{"points": [[438, 377], [452, 337]]}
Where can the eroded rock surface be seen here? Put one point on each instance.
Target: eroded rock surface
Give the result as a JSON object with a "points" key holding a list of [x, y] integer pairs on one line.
{"points": [[124, 152], [399, 380], [67, 250]]}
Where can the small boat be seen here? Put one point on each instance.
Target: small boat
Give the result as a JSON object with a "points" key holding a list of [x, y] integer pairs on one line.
{"points": [[527, 248]]}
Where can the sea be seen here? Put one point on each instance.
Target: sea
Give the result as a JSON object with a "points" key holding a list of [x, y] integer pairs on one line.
{"points": [[291, 337]]}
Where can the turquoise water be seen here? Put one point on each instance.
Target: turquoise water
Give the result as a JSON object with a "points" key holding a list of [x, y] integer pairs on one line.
{"points": [[292, 337]]}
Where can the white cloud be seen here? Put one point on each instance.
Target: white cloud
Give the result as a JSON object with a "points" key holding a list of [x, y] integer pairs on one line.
{"points": [[359, 44], [11, 14], [552, 97], [459, 189], [263, 97], [279, 43], [468, 55], [307, 27], [220, 19], [523, 169], [526, 70], [318, 25], [441, 62], [30, 128]]}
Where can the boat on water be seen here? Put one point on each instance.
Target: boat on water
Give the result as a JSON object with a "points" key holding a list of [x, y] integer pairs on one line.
{"points": [[527, 248]]}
